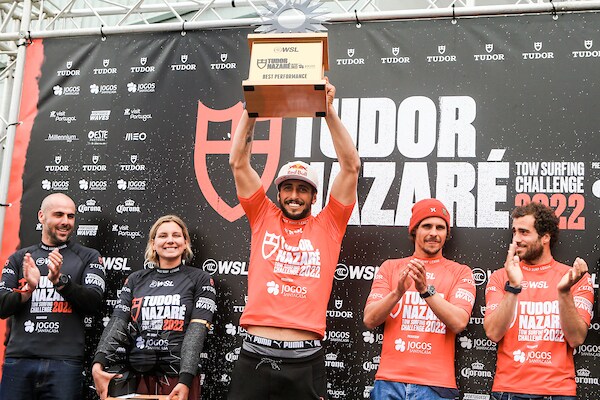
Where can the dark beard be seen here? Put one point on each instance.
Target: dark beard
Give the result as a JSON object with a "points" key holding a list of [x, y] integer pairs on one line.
{"points": [[298, 217], [56, 241], [533, 253]]}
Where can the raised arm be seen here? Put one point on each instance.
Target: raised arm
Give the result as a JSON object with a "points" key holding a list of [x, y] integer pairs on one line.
{"points": [[247, 180], [497, 322], [376, 312], [344, 186], [573, 325], [453, 316]]}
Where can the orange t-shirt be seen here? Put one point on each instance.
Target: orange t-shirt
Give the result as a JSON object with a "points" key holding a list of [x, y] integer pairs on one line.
{"points": [[417, 347], [533, 356], [292, 264]]}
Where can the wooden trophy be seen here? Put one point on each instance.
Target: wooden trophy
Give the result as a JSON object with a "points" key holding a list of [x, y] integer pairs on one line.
{"points": [[287, 75]]}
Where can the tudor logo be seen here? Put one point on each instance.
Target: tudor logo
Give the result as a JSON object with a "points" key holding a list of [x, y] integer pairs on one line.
{"points": [[338, 303], [441, 49], [133, 158], [105, 62], [395, 51], [588, 44], [261, 63], [489, 47], [270, 244], [205, 148], [537, 46], [223, 57], [350, 52], [143, 60], [184, 58], [57, 159], [95, 159], [69, 64]]}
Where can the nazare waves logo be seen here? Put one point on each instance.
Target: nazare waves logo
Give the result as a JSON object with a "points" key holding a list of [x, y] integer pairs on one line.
{"points": [[205, 147]]}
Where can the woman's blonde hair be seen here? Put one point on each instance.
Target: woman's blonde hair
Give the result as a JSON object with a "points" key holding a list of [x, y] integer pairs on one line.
{"points": [[150, 254]]}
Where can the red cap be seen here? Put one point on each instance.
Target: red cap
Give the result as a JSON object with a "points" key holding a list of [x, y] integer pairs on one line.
{"points": [[428, 208]]}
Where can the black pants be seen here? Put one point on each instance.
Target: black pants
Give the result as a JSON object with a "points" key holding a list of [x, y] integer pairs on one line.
{"points": [[269, 378]]}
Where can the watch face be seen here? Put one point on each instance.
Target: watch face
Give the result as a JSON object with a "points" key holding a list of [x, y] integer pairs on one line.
{"points": [[64, 279]]}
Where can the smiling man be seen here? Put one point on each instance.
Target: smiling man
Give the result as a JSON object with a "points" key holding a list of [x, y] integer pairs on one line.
{"points": [[538, 310], [424, 301], [47, 289], [292, 263]]}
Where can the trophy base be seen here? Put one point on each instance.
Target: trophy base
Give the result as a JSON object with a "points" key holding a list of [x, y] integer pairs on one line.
{"points": [[292, 100]]}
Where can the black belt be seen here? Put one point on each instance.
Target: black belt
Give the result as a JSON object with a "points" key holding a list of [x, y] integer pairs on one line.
{"points": [[283, 344]]}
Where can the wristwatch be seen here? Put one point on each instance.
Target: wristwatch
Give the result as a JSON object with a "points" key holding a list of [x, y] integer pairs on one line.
{"points": [[512, 289], [63, 280], [429, 292]]}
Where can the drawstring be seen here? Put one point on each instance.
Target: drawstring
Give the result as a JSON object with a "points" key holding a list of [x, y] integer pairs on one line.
{"points": [[266, 360]]}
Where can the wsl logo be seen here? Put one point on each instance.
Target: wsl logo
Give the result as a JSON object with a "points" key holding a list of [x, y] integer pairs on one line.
{"points": [[588, 52], [489, 55], [68, 71], [225, 267], [206, 148], [538, 54], [105, 70], [184, 66], [350, 60], [441, 57], [395, 58], [224, 64]]}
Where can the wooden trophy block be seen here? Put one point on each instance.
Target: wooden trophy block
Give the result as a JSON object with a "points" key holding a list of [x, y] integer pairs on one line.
{"points": [[287, 75]]}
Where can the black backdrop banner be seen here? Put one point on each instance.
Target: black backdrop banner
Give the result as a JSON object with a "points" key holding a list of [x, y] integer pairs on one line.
{"points": [[484, 114]]}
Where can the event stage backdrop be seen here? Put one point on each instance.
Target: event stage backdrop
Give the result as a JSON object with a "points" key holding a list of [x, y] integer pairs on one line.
{"points": [[484, 114]]}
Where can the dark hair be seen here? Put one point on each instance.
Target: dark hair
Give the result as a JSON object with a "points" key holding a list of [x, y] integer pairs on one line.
{"points": [[546, 221]]}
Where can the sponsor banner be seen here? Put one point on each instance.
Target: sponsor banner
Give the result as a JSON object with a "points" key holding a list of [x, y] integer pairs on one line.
{"points": [[479, 114]]}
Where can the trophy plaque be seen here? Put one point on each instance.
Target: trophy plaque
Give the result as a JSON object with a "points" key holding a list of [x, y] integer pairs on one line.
{"points": [[287, 75]]}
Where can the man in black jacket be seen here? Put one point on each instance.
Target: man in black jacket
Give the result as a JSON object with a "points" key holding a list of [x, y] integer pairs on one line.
{"points": [[47, 289]]}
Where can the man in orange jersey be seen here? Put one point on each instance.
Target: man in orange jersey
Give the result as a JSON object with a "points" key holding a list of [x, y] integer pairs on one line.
{"points": [[292, 263], [424, 301], [538, 310]]}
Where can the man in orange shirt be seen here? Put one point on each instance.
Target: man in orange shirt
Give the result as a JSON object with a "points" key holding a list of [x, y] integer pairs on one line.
{"points": [[424, 301], [538, 310], [292, 263]]}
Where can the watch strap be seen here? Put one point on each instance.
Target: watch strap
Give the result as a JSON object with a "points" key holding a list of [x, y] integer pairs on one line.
{"points": [[430, 292], [512, 289]]}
